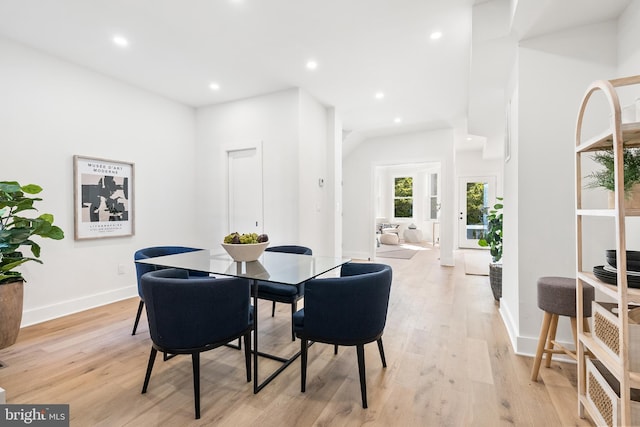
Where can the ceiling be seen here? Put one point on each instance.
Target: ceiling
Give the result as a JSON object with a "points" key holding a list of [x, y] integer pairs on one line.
{"points": [[252, 47]]}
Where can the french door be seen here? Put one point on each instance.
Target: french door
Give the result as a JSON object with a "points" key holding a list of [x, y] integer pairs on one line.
{"points": [[476, 196]]}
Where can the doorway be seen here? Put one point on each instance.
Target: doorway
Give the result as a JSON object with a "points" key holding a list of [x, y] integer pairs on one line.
{"points": [[246, 210], [476, 195]]}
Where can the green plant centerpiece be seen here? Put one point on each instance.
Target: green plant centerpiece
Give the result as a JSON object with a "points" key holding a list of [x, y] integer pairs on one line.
{"points": [[245, 247], [17, 231], [605, 177], [493, 240], [236, 238]]}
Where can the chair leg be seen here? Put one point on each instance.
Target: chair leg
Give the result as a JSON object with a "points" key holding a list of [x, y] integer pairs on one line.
{"points": [[135, 325], [361, 370], [152, 358], [544, 332], [273, 309], [195, 360], [294, 308], [381, 349], [335, 349], [303, 359], [247, 353]]}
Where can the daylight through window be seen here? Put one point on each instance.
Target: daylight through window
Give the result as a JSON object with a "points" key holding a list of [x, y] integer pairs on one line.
{"points": [[403, 197]]}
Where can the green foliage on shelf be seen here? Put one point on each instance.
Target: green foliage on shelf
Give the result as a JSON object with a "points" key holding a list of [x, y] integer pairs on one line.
{"points": [[605, 177]]}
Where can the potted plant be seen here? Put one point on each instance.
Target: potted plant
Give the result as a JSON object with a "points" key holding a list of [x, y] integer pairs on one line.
{"points": [[605, 177], [16, 231], [493, 240]]}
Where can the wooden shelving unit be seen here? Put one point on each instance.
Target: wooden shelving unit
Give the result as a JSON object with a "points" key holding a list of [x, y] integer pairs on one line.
{"points": [[616, 138]]}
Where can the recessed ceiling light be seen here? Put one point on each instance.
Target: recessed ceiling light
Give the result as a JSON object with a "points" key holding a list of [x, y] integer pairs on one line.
{"points": [[120, 41], [435, 35], [397, 120], [312, 65], [379, 95], [214, 86], [469, 138]]}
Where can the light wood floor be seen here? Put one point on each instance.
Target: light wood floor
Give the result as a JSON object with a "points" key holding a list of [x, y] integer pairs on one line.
{"points": [[449, 364]]}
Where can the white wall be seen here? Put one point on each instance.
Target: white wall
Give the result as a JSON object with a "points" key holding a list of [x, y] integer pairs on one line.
{"points": [[51, 110], [292, 129], [553, 73], [334, 171], [358, 189], [629, 65], [628, 36], [314, 201], [472, 163], [270, 120]]}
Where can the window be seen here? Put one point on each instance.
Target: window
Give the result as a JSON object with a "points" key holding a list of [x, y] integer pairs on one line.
{"points": [[403, 197], [434, 206], [476, 211]]}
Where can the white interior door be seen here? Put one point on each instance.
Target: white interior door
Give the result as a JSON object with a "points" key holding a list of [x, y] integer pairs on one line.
{"points": [[245, 191], [476, 196]]}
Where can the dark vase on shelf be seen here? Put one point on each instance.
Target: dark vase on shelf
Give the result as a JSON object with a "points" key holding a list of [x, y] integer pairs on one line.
{"points": [[495, 279]]}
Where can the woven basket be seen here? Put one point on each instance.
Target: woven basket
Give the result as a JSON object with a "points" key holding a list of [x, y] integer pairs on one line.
{"points": [[606, 332], [603, 394]]}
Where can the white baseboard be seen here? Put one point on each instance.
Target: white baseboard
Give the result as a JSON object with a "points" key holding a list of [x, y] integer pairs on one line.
{"points": [[44, 313], [527, 345]]}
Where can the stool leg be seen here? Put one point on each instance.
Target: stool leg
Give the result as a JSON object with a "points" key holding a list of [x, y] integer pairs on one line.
{"points": [[544, 332], [574, 331], [552, 336]]}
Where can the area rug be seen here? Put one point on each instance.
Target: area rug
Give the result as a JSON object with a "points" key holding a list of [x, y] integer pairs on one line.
{"points": [[395, 251], [477, 263]]}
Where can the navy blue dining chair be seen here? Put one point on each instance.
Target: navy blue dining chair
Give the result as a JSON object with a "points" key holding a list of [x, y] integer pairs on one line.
{"points": [[141, 269], [350, 310], [279, 292], [191, 315]]}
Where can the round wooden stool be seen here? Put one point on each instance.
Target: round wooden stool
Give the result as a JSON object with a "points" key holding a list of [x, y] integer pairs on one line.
{"points": [[557, 297]]}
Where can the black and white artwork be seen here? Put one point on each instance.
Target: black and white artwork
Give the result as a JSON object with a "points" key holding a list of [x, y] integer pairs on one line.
{"points": [[103, 198]]}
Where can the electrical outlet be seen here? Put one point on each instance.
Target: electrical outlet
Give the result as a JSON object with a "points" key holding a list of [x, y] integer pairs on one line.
{"points": [[121, 269]]}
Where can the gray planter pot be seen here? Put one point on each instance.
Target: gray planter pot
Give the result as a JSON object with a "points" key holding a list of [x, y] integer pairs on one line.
{"points": [[495, 279]]}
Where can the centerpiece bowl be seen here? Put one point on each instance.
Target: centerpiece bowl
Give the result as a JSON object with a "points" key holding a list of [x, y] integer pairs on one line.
{"points": [[245, 252]]}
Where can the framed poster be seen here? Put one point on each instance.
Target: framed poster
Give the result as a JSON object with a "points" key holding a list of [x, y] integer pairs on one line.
{"points": [[102, 198]]}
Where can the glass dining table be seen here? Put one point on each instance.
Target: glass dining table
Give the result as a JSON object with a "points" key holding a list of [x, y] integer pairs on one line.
{"points": [[278, 267]]}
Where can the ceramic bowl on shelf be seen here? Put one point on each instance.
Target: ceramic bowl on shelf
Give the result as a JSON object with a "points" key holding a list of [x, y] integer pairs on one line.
{"points": [[245, 252], [611, 278], [633, 259]]}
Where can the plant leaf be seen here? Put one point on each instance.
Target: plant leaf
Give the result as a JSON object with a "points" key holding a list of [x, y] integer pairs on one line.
{"points": [[31, 188]]}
